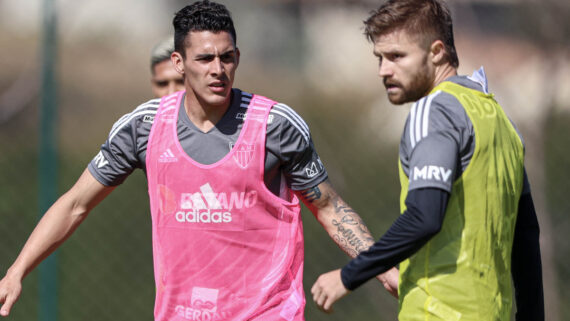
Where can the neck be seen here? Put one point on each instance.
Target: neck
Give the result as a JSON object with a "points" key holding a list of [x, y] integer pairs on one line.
{"points": [[442, 73], [203, 115]]}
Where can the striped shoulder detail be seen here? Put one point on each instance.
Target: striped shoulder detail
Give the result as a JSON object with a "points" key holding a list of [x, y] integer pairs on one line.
{"points": [[245, 99], [419, 118], [294, 119], [148, 108], [284, 111]]}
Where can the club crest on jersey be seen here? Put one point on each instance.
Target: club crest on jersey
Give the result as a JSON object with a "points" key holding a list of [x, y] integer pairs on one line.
{"points": [[243, 154]]}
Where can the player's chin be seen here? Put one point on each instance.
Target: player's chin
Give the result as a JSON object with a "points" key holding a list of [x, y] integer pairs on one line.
{"points": [[397, 99], [218, 99]]}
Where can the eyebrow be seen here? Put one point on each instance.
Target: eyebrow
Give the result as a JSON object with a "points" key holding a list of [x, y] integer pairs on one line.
{"points": [[209, 55], [390, 51]]}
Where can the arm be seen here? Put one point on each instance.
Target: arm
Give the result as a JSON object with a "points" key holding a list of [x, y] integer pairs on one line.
{"points": [[340, 221], [57, 224], [526, 266], [419, 223], [344, 226]]}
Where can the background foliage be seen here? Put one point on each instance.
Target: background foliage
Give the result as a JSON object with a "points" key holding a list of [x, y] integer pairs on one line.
{"points": [[290, 52]]}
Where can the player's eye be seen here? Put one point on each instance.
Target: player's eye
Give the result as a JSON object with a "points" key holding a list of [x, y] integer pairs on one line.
{"points": [[162, 83], [227, 58]]}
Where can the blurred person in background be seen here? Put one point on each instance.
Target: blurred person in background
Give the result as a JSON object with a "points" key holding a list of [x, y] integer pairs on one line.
{"points": [[225, 171], [164, 80], [468, 222]]}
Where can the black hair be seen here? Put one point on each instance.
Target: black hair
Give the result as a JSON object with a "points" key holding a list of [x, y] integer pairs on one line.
{"points": [[201, 16]]}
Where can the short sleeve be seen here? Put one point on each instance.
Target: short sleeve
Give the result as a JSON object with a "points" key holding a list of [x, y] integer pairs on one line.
{"points": [[289, 137], [125, 148], [436, 135]]}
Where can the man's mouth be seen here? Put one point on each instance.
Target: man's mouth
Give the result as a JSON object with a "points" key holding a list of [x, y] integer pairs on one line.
{"points": [[217, 86], [391, 86]]}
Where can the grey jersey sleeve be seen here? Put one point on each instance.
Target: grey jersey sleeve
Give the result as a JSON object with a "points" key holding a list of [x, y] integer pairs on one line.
{"points": [[439, 140], [289, 140], [437, 143], [125, 148]]}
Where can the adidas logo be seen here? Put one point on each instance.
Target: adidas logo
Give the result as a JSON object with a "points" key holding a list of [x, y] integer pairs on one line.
{"points": [[167, 157], [208, 206], [205, 199]]}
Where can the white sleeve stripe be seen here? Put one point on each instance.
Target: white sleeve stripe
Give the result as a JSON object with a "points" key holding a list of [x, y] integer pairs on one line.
{"points": [[420, 109], [131, 116], [286, 112], [151, 105], [426, 113], [412, 124], [286, 109], [295, 124]]}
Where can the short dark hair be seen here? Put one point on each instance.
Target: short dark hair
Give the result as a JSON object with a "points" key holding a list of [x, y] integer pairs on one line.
{"points": [[201, 16], [428, 18]]}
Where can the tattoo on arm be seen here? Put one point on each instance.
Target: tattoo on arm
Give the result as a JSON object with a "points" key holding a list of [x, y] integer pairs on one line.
{"points": [[352, 235], [346, 227]]}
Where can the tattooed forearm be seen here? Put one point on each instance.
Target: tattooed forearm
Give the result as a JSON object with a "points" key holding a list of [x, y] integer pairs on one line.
{"points": [[342, 223], [344, 246], [347, 236], [339, 206], [352, 235]]}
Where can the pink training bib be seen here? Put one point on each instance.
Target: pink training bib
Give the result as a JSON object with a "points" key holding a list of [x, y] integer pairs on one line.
{"points": [[225, 247]]}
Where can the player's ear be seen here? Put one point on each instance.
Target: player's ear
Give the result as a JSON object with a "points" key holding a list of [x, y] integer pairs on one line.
{"points": [[437, 52], [177, 62]]}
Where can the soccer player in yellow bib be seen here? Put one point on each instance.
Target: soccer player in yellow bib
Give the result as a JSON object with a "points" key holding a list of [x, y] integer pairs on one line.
{"points": [[468, 221]]}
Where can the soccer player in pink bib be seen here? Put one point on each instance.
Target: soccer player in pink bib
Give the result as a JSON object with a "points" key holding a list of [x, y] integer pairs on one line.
{"points": [[225, 171]]}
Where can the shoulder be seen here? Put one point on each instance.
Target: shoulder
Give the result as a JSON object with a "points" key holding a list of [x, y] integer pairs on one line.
{"points": [[289, 120], [437, 110], [141, 117], [282, 119], [437, 115]]}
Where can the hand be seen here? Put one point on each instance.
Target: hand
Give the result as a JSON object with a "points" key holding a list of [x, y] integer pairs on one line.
{"points": [[327, 290], [390, 281], [10, 290]]}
